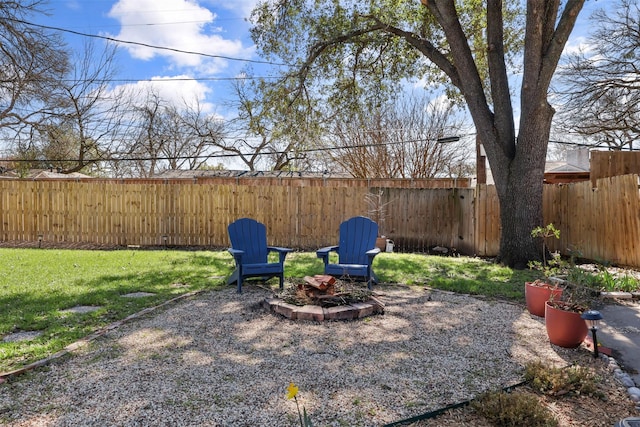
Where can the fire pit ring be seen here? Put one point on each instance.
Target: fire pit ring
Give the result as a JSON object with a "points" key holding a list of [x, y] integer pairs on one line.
{"points": [[318, 313], [316, 292]]}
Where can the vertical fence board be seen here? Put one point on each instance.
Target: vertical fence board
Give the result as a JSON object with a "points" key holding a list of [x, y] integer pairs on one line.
{"points": [[487, 227]]}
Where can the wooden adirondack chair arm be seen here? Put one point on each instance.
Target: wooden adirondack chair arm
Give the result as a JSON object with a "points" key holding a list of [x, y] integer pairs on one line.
{"points": [[236, 253], [282, 252], [324, 252], [373, 252], [279, 249]]}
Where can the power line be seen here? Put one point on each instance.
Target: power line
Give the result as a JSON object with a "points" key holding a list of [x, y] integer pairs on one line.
{"points": [[578, 144], [225, 155], [161, 80], [112, 39], [172, 79], [153, 24]]}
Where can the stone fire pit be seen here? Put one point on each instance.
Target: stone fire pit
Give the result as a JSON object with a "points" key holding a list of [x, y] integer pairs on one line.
{"points": [[322, 298]]}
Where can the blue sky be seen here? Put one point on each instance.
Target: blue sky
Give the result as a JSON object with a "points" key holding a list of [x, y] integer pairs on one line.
{"points": [[213, 27]]}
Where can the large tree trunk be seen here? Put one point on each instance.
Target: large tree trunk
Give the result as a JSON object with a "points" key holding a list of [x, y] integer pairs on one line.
{"points": [[520, 212], [520, 186]]}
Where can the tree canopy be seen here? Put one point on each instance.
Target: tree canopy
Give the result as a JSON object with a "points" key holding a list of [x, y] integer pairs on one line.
{"points": [[351, 54]]}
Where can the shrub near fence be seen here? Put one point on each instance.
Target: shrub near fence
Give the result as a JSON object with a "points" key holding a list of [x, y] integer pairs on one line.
{"points": [[601, 224]]}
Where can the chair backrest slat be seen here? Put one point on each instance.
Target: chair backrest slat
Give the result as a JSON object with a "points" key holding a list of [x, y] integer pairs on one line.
{"points": [[357, 236], [250, 236]]}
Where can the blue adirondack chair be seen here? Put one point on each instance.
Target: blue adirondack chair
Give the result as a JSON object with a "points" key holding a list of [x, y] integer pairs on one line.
{"points": [[250, 252], [356, 250]]}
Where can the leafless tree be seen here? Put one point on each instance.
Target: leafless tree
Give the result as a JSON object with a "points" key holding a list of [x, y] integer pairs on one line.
{"points": [[87, 114], [171, 137], [399, 140], [144, 150], [194, 136], [600, 87], [75, 126], [33, 63]]}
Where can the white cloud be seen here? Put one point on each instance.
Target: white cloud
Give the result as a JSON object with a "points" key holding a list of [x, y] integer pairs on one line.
{"points": [[175, 24], [577, 45], [176, 90], [242, 8], [73, 5]]}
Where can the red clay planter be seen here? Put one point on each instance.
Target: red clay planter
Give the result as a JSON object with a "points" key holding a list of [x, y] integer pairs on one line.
{"points": [[565, 328], [537, 294]]}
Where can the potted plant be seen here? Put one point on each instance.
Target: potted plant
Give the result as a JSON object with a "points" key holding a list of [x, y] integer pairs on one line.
{"points": [[538, 292], [377, 211], [563, 321]]}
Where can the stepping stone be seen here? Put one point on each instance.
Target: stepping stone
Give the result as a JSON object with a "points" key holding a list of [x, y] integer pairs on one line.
{"points": [[81, 309], [22, 336], [138, 295]]}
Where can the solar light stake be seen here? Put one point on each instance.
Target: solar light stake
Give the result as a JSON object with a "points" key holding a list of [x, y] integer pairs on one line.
{"points": [[593, 317]]}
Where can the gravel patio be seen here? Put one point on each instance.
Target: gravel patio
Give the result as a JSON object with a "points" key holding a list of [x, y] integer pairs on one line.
{"points": [[220, 359]]}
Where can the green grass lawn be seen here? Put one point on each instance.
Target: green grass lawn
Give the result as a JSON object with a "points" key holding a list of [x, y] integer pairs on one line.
{"points": [[38, 285]]}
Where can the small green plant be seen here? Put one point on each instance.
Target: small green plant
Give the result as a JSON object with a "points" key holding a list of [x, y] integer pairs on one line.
{"points": [[292, 393], [604, 280], [607, 280], [545, 233], [612, 282], [513, 409], [560, 381], [627, 283], [554, 265], [581, 277]]}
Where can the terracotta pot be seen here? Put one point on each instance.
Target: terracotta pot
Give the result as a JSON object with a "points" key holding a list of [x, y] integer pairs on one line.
{"points": [[381, 243], [564, 328], [537, 294]]}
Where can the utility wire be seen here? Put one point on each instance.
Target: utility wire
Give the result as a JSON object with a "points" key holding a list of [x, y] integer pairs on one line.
{"points": [[225, 155], [179, 79], [156, 80], [112, 39]]}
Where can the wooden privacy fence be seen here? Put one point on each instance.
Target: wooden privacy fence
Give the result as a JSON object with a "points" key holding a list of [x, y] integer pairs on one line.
{"points": [[601, 223], [605, 164], [188, 213]]}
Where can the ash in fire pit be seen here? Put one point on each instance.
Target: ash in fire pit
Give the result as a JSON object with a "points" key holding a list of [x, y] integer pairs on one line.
{"points": [[323, 297]]}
